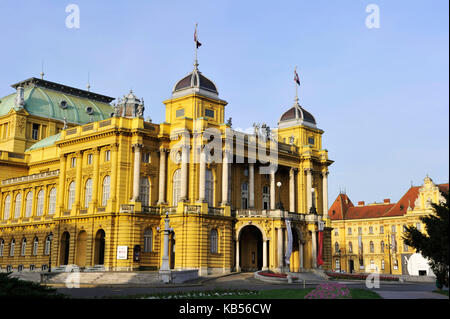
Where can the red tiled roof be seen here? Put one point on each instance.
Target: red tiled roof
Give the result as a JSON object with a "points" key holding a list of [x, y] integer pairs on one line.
{"points": [[344, 208]]}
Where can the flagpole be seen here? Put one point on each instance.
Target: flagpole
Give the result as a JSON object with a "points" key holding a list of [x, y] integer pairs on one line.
{"points": [[296, 88], [196, 62]]}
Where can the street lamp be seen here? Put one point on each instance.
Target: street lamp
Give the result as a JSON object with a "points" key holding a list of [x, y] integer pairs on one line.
{"points": [[339, 254], [312, 210], [280, 204], [50, 238]]}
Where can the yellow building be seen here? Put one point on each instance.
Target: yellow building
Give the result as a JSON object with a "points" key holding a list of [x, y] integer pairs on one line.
{"points": [[100, 179], [368, 238]]}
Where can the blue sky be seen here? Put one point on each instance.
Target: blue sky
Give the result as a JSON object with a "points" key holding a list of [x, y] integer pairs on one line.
{"points": [[380, 95]]}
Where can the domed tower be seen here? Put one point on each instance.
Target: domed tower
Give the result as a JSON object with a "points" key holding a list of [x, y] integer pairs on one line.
{"points": [[195, 97], [129, 106]]}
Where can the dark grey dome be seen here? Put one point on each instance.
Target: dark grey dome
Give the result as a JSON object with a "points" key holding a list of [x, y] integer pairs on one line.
{"points": [[195, 79], [297, 113]]}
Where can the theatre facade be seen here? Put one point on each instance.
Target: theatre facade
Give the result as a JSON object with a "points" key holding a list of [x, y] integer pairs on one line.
{"points": [[87, 182]]}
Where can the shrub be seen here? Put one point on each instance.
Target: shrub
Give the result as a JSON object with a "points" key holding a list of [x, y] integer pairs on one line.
{"points": [[16, 288], [329, 291]]}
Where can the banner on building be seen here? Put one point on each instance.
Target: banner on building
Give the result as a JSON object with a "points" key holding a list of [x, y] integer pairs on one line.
{"points": [[287, 257], [320, 242]]}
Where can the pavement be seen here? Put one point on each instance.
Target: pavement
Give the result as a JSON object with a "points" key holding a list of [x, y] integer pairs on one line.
{"points": [[240, 281]]}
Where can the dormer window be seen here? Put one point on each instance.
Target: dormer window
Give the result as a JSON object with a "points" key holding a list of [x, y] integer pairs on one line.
{"points": [[311, 140], [209, 113], [179, 113], [35, 132]]}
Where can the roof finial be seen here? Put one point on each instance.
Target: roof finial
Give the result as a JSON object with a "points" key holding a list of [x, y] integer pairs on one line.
{"points": [[197, 45], [88, 86], [297, 84], [42, 69]]}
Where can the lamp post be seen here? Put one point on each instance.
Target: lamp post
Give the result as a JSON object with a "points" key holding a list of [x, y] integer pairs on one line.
{"points": [[312, 210], [50, 238], [280, 204], [339, 254], [389, 250]]}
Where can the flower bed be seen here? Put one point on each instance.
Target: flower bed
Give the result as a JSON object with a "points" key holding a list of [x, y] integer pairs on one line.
{"points": [[358, 276], [329, 291], [275, 275]]}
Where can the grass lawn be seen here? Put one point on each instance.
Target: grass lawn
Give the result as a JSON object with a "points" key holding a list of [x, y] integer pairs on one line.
{"points": [[442, 292], [250, 294]]}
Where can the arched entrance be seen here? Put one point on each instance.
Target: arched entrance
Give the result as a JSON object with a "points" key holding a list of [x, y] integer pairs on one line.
{"points": [[81, 249], [250, 248], [99, 254], [294, 261], [64, 249]]}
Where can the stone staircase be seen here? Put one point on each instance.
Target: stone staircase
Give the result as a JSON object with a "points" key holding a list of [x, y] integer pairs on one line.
{"points": [[102, 278]]}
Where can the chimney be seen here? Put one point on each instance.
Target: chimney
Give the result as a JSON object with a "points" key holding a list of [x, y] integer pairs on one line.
{"points": [[387, 200], [361, 203]]}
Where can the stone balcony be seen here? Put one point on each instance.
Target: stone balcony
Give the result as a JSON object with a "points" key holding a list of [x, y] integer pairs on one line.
{"points": [[29, 178], [255, 213]]}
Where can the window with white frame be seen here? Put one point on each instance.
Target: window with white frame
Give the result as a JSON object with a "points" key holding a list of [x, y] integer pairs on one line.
{"points": [[106, 189], [24, 247], [89, 159], [52, 201], [370, 230], [336, 232], [47, 246], [382, 246], [266, 197], [2, 247], [381, 229], [393, 229], [350, 247], [337, 264], [12, 247], [382, 264], [371, 247], [73, 162], [40, 203], [395, 264], [107, 155], [244, 195], [359, 230], [28, 204], [209, 188], [88, 193], [71, 197], [35, 246], [349, 230], [148, 240], [176, 187], [144, 191], [214, 241], [7, 213], [18, 206], [336, 247]]}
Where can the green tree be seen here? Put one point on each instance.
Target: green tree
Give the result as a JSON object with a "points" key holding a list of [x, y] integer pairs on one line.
{"points": [[434, 244]]}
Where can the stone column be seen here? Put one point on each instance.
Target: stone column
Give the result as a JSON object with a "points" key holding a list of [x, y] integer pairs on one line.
{"points": [[238, 266], [292, 190], [264, 267], [325, 192], [114, 171], [314, 249], [137, 171], [162, 176], [272, 190], [202, 176], [300, 254], [308, 189], [251, 184], [225, 176], [280, 248], [61, 185], [184, 172], [95, 177]]}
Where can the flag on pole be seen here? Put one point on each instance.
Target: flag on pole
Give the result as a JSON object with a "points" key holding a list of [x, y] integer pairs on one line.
{"points": [[197, 43], [296, 78]]}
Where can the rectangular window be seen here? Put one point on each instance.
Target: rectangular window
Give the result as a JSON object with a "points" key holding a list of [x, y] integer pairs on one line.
{"points": [[89, 159], [311, 140], [35, 132], [381, 229], [73, 162], [349, 231], [179, 112], [146, 158], [107, 156], [209, 113]]}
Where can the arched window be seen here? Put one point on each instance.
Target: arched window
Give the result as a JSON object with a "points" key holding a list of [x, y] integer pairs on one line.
{"points": [[47, 246], [336, 247], [382, 246], [214, 241], [7, 207], [144, 191], [371, 247], [106, 188], [40, 203], [12, 247], [176, 191], [350, 247], [52, 201], [209, 187], [266, 197], [88, 193], [18, 206], [23, 248], [244, 196], [338, 265], [148, 240], [71, 195], [2, 247], [28, 204], [395, 264], [35, 246]]}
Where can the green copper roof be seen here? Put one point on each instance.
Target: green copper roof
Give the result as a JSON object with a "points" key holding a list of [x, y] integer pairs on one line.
{"points": [[43, 98], [48, 141]]}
